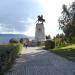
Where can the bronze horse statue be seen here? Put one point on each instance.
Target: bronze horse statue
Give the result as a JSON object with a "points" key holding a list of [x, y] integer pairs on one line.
{"points": [[40, 19]]}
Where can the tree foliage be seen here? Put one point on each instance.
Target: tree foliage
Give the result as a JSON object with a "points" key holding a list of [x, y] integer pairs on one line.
{"points": [[21, 40], [48, 37], [59, 39], [67, 21], [49, 44], [13, 40]]}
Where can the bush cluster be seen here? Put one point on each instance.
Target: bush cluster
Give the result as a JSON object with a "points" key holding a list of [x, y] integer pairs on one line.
{"points": [[40, 43], [13, 40], [49, 44], [8, 53]]}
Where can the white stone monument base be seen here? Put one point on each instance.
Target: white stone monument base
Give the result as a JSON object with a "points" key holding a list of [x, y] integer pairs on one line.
{"points": [[40, 32]]}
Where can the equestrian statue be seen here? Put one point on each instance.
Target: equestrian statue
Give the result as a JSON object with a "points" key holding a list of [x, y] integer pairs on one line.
{"points": [[40, 19]]}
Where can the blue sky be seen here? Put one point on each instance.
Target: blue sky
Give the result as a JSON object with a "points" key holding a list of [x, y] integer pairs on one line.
{"points": [[19, 16], [15, 15]]}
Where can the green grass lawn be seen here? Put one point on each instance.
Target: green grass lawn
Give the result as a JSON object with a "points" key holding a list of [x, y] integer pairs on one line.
{"points": [[66, 51]]}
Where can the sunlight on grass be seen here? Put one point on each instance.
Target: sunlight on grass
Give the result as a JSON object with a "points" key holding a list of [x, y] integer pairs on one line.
{"points": [[67, 51], [70, 46]]}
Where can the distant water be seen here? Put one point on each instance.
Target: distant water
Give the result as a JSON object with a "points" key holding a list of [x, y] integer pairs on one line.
{"points": [[4, 38]]}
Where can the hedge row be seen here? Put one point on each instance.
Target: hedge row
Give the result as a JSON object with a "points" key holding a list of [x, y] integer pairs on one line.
{"points": [[8, 53], [49, 44]]}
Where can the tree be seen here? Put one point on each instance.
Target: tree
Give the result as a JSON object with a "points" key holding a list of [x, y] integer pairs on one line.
{"points": [[49, 44], [59, 39], [21, 40], [48, 37], [13, 40], [67, 21]]}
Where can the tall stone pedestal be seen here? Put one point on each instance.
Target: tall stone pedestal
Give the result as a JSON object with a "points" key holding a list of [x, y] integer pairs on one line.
{"points": [[40, 32]]}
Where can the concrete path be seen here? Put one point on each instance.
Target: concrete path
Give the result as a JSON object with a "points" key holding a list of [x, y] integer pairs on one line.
{"points": [[35, 61]]}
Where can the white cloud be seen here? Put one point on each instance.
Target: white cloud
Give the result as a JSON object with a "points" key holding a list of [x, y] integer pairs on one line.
{"points": [[30, 20], [27, 21], [6, 28], [30, 31], [22, 21], [31, 27]]}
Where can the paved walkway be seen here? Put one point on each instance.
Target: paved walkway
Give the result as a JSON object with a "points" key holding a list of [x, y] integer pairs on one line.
{"points": [[35, 61]]}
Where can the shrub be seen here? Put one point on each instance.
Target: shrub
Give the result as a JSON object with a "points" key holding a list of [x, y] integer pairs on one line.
{"points": [[13, 40], [21, 40], [49, 44], [40, 43], [8, 53]]}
